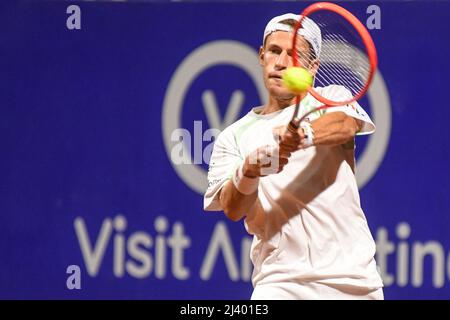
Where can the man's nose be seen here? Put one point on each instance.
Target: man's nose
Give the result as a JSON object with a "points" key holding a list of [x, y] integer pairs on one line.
{"points": [[282, 61]]}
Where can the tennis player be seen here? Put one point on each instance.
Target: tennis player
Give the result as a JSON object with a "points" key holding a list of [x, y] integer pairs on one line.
{"points": [[297, 192]]}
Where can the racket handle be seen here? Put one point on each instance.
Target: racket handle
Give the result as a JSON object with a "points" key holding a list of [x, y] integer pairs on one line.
{"points": [[293, 125]]}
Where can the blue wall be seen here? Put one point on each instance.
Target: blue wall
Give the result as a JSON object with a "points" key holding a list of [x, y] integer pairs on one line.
{"points": [[85, 163]]}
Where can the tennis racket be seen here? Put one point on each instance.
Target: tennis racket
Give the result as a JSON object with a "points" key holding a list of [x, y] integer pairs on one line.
{"points": [[345, 57]]}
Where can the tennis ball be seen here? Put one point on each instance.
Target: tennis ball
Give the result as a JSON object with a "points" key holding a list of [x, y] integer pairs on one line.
{"points": [[297, 80]]}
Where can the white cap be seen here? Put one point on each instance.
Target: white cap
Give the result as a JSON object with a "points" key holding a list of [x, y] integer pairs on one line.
{"points": [[309, 30]]}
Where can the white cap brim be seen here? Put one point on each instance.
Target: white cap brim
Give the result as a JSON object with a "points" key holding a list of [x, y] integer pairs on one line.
{"points": [[309, 30]]}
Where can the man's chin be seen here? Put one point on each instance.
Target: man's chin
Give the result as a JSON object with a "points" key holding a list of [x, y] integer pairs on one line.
{"points": [[281, 94]]}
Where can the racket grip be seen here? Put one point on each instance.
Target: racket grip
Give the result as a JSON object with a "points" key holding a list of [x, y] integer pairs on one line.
{"points": [[293, 126]]}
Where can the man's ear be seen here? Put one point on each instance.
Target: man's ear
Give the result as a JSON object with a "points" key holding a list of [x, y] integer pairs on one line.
{"points": [[261, 56], [313, 67]]}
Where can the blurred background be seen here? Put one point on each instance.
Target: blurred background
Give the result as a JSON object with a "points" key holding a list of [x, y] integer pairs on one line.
{"points": [[93, 201]]}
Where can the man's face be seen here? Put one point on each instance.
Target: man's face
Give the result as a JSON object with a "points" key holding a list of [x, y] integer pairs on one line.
{"points": [[276, 56]]}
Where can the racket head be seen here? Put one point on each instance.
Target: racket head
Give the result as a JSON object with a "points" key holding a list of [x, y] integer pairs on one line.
{"points": [[346, 54]]}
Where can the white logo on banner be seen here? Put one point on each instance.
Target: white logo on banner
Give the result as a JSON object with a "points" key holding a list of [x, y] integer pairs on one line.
{"points": [[232, 53], [240, 55], [161, 253]]}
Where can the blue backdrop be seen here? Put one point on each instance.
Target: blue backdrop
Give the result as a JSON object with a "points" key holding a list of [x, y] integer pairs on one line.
{"points": [[87, 171]]}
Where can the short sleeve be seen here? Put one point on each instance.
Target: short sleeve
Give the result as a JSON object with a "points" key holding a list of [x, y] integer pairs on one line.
{"points": [[353, 109], [224, 160]]}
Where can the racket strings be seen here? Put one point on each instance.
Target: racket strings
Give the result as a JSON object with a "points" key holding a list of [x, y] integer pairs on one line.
{"points": [[343, 58], [333, 73], [341, 64], [347, 55]]}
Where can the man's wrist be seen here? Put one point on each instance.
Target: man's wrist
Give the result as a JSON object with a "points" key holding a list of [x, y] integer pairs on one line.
{"points": [[244, 184], [308, 131]]}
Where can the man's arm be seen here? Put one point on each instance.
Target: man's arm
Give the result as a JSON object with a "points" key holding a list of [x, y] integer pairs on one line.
{"points": [[235, 205], [239, 194], [335, 128]]}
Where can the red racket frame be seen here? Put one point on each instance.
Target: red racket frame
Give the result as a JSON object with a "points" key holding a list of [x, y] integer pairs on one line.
{"points": [[362, 31]]}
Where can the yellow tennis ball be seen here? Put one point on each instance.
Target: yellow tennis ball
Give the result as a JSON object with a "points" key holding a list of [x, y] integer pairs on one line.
{"points": [[297, 80]]}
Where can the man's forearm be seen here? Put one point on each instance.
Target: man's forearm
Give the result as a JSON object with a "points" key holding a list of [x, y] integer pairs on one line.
{"points": [[235, 204], [335, 128]]}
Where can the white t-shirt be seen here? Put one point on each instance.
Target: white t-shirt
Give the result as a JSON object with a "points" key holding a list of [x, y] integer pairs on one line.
{"points": [[308, 224]]}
